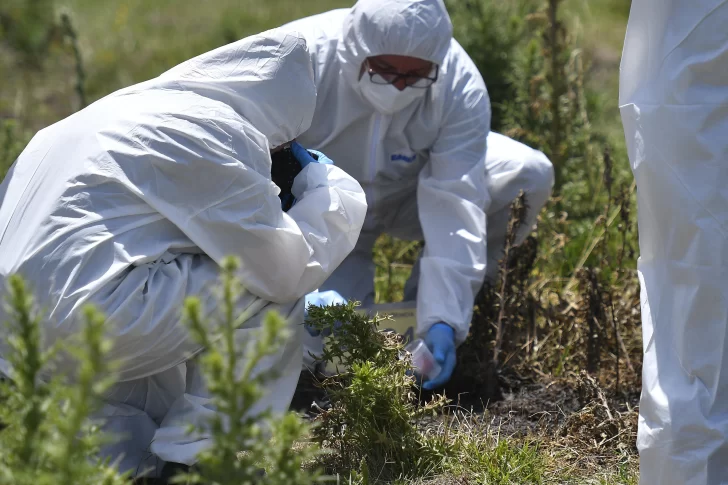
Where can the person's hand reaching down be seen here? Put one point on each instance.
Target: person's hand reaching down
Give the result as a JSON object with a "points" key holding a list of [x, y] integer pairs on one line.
{"points": [[324, 298], [440, 340]]}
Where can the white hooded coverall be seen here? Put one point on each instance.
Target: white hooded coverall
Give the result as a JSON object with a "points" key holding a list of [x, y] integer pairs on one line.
{"points": [[131, 203], [674, 106], [425, 169]]}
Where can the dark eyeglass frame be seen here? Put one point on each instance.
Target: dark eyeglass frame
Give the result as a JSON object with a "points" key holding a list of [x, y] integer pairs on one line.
{"points": [[396, 76]]}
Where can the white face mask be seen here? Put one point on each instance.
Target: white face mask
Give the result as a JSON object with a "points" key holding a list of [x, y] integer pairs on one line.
{"points": [[386, 98]]}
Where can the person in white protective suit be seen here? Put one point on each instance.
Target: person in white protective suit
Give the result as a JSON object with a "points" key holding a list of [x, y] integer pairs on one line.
{"points": [[131, 204], [674, 108], [403, 109]]}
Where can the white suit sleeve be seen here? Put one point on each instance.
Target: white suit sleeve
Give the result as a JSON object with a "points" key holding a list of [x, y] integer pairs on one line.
{"points": [[452, 198], [213, 183]]}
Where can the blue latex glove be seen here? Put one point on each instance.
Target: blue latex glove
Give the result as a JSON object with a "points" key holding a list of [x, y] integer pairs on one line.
{"points": [[288, 198], [304, 157], [440, 340], [324, 298]]}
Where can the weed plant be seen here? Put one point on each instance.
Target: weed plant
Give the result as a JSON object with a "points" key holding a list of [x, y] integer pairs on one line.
{"points": [[47, 437], [243, 443], [375, 429]]}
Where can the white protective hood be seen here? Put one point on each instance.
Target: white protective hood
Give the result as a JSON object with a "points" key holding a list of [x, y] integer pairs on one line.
{"points": [[674, 106], [101, 206], [419, 28], [267, 79]]}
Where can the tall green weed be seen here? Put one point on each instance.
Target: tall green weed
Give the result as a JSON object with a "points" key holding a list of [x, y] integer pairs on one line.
{"points": [[47, 437], [244, 444]]}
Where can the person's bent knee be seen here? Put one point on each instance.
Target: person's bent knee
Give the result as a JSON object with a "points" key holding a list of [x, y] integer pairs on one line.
{"points": [[538, 174], [538, 182]]}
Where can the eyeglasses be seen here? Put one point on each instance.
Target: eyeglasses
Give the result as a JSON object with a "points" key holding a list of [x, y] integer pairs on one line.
{"points": [[410, 80]]}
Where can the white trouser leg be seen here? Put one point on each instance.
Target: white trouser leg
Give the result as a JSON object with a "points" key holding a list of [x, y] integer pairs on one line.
{"points": [[674, 110], [172, 442], [147, 302], [511, 167], [132, 412]]}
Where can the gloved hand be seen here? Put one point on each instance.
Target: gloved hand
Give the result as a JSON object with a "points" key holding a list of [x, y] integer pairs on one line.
{"points": [[287, 201], [324, 298], [304, 156], [440, 340]]}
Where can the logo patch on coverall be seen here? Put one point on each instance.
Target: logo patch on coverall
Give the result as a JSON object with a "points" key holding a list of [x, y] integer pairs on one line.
{"points": [[402, 157]]}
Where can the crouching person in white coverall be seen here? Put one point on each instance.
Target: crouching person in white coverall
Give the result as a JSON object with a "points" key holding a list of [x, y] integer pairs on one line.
{"points": [[132, 203], [674, 105], [403, 109]]}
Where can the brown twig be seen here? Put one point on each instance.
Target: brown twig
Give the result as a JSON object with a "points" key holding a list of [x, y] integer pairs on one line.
{"points": [[518, 213], [70, 33]]}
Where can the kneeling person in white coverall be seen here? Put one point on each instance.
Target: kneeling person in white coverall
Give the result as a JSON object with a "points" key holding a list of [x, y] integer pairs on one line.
{"points": [[403, 109], [132, 203]]}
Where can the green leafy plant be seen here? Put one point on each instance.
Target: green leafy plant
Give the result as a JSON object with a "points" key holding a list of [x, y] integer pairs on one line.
{"points": [[48, 437], [372, 421], [244, 444], [493, 34], [394, 260], [376, 430]]}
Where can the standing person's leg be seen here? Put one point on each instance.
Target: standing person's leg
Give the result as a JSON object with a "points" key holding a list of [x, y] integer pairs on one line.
{"points": [[674, 107], [511, 167]]}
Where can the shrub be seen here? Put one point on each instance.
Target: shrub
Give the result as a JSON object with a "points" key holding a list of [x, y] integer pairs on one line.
{"points": [[242, 443], [48, 438], [493, 34], [372, 421], [28, 27], [376, 431]]}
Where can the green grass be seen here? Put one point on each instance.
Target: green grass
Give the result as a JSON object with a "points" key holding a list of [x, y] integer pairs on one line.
{"points": [[128, 41], [131, 40]]}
